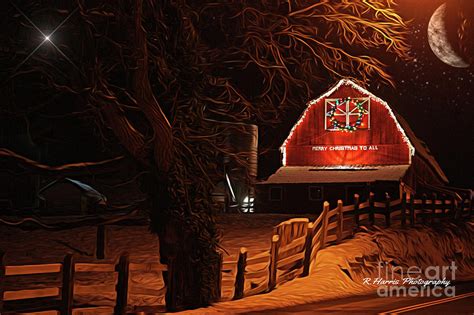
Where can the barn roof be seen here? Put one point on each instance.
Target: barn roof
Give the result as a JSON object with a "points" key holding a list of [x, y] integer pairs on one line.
{"points": [[305, 174], [422, 149], [363, 91]]}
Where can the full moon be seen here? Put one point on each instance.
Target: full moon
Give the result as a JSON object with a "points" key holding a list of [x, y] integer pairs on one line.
{"points": [[438, 40]]}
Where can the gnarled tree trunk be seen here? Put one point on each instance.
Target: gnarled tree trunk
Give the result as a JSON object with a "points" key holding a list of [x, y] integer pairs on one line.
{"points": [[192, 260]]}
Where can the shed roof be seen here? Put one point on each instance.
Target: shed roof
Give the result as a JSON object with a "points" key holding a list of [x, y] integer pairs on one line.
{"points": [[87, 190], [305, 174]]}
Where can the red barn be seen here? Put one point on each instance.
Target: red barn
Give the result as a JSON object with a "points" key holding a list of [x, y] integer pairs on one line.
{"points": [[347, 141]]}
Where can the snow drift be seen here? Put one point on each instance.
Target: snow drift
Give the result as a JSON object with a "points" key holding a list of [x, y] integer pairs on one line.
{"points": [[339, 270]]}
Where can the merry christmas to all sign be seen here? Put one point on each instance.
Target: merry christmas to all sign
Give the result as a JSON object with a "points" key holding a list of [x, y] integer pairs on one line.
{"points": [[345, 148]]}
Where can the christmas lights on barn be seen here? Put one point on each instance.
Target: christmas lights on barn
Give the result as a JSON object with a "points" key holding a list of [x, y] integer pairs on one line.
{"points": [[358, 89], [351, 107], [347, 141]]}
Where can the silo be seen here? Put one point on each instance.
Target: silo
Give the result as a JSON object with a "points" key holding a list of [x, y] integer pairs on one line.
{"points": [[239, 167]]}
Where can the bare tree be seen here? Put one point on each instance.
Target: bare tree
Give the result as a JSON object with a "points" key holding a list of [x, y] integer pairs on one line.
{"points": [[158, 75]]}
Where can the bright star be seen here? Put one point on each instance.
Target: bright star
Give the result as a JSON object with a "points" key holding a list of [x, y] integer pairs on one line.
{"points": [[47, 38]]}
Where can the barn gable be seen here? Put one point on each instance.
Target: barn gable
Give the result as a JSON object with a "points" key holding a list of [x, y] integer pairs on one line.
{"points": [[347, 142], [370, 136]]}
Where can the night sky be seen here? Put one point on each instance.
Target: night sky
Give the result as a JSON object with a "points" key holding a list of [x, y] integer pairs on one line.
{"points": [[435, 98]]}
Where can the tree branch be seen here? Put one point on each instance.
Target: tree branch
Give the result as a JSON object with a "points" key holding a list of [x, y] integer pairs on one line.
{"points": [[66, 169], [107, 102], [146, 99], [128, 136]]}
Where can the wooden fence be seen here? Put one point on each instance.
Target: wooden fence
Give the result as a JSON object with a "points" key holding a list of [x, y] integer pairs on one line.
{"points": [[293, 248], [296, 242], [61, 297]]}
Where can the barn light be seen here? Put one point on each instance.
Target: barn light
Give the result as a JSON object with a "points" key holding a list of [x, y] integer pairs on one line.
{"points": [[47, 39], [247, 204], [247, 199]]}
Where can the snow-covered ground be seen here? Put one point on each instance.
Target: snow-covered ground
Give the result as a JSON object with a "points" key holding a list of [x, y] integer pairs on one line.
{"points": [[39, 246], [339, 270]]}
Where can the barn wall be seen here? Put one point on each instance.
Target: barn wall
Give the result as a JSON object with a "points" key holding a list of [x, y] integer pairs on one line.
{"points": [[383, 137], [421, 172], [296, 196]]}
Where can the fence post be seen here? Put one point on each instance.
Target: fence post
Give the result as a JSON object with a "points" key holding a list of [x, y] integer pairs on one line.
{"points": [[324, 225], [459, 210], [470, 207], [443, 205], [356, 210], [122, 269], [412, 210], [404, 209], [371, 208], [2, 279], [240, 276], [387, 210], [308, 248], [340, 221], [67, 287], [423, 208], [272, 277], [452, 210], [100, 242], [465, 206], [433, 207], [219, 278]]}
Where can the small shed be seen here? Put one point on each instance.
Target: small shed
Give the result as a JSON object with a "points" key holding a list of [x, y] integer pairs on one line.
{"points": [[70, 197], [347, 141]]}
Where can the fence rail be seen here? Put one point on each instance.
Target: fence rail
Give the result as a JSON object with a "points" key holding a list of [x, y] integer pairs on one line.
{"points": [[293, 249], [61, 297], [296, 242]]}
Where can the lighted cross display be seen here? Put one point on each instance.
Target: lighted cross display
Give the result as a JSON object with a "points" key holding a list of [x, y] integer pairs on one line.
{"points": [[46, 38]]}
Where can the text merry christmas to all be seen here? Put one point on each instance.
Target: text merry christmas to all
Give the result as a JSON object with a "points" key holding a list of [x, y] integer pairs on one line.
{"points": [[345, 148]]}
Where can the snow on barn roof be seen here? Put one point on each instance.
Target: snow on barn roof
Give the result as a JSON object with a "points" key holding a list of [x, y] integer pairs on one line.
{"points": [[306, 174], [363, 91]]}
